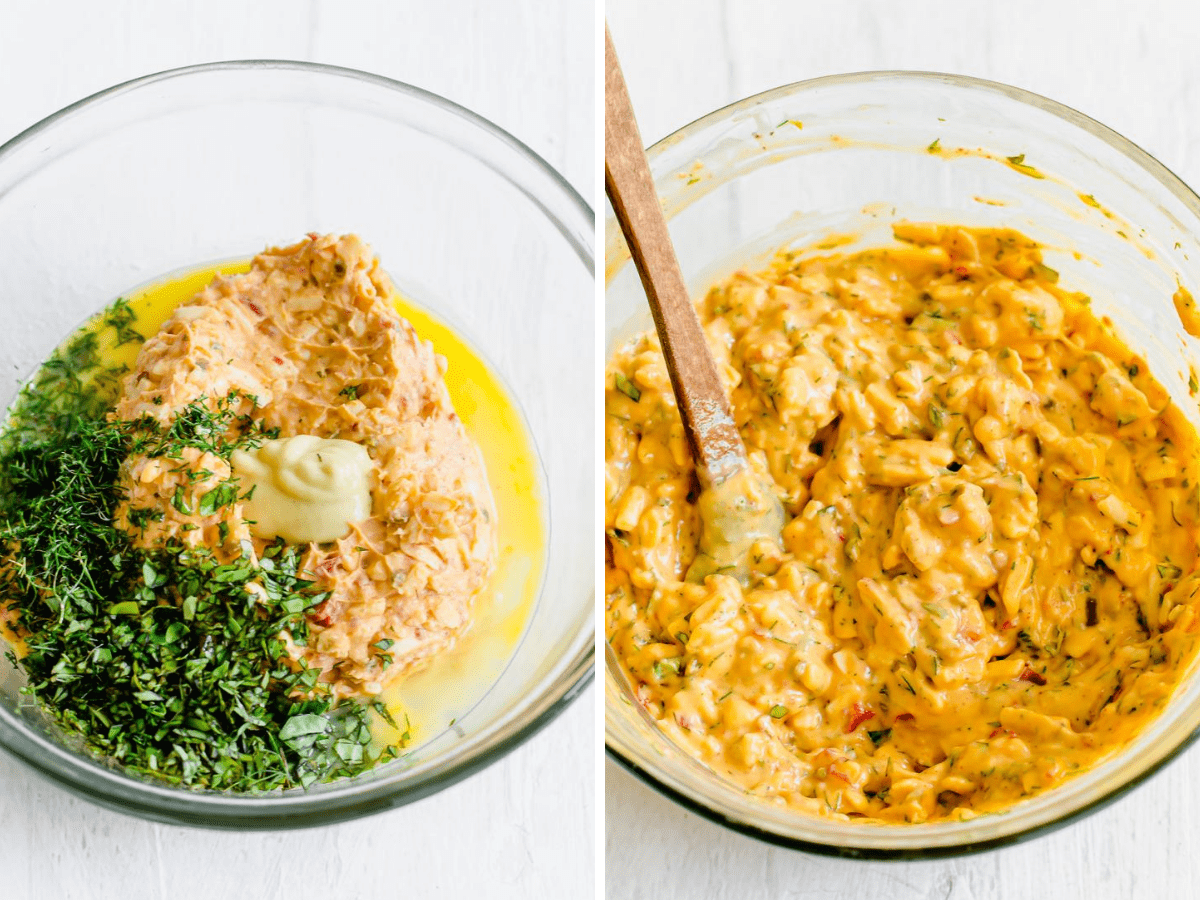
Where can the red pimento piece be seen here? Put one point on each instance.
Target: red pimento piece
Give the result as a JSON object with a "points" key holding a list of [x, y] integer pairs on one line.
{"points": [[905, 717], [858, 715], [1030, 675]]}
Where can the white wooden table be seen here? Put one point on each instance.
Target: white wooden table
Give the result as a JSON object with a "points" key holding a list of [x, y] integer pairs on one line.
{"points": [[523, 828], [1133, 67]]}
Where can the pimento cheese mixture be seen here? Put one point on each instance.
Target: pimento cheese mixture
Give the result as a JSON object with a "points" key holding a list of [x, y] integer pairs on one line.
{"points": [[988, 578]]}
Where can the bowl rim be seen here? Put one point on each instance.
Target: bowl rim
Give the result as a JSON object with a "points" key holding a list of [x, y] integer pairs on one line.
{"points": [[294, 810], [586, 253], [1135, 154]]}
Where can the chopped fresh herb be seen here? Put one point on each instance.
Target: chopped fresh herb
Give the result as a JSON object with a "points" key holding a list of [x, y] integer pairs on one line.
{"points": [[169, 662], [878, 737], [1045, 273], [626, 387], [1018, 162], [222, 495], [935, 146], [663, 667], [778, 712], [351, 391], [120, 318], [380, 708], [1168, 572]]}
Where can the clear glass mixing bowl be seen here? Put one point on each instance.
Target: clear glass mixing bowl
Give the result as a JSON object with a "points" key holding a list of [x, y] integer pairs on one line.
{"points": [[851, 155], [216, 162]]}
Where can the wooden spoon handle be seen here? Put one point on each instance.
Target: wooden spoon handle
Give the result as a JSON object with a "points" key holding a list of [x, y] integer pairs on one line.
{"points": [[707, 418]]}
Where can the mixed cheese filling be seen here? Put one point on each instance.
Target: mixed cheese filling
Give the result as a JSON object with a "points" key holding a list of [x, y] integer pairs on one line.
{"points": [[373, 472], [987, 580]]}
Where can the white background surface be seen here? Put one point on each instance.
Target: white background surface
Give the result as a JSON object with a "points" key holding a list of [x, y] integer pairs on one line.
{"points": [[1135, 68], [524, 827]]}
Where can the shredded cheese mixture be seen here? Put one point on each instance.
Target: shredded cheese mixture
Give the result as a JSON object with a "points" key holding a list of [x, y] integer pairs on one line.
{"points": [[988, 577], [311, 344]]}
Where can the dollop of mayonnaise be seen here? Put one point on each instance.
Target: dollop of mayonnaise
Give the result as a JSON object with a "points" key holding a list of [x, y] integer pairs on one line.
{"points": [[306, 488]]}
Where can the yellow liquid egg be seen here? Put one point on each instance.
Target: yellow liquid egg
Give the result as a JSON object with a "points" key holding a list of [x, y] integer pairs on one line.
{"points": [[431, 699]]}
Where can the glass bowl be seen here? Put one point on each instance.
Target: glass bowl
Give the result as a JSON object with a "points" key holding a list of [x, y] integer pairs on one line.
{"points": [[216, 162], [851, 155]]}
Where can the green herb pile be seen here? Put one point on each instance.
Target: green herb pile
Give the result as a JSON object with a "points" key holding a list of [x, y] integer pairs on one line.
{"points": [[161, 661]]}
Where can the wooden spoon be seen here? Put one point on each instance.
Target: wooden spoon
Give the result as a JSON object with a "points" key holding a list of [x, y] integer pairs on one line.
{"points": [[707, 417], [736, 508]]}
